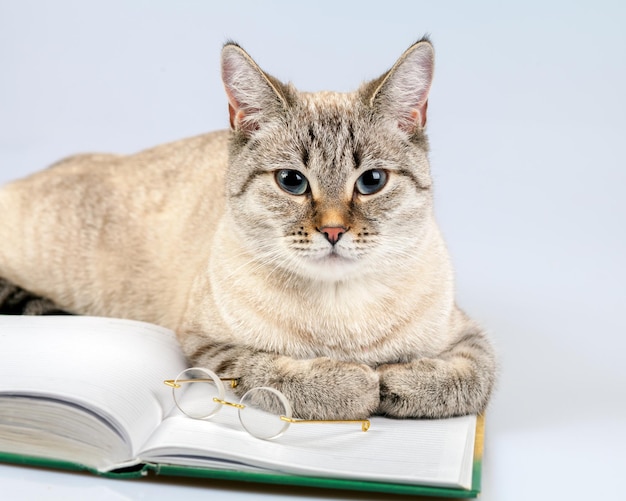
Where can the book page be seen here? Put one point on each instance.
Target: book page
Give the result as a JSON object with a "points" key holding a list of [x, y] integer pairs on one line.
{"points": [[110, 367], [425, 452], [47, 428]]}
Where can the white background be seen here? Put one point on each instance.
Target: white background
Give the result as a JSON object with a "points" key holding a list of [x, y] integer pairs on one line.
{"points": [[527, 121]]}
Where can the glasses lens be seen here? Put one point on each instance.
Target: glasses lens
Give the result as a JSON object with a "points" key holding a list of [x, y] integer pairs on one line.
{"points": [[263, 408], [197, 391]]}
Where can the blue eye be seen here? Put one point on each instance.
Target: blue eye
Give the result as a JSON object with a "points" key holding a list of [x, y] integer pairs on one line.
{"points": [[371, 181], [292, 181]]}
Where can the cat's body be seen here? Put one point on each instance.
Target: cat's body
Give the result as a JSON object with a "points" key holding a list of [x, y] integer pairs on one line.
{"points": [[298, 250]]}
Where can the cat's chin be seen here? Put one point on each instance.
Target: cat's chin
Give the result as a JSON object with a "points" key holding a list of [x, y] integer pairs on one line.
{"points": [[331, 268]]}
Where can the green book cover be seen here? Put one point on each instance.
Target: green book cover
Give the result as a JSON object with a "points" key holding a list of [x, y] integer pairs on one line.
{"points": [[264, 478]]}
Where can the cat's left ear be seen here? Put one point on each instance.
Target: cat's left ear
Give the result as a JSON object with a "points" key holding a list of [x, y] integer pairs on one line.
{"points": [[401, 94]]}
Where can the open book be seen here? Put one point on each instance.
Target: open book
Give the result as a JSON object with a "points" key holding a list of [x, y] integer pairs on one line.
{"points": [[88, 393]]}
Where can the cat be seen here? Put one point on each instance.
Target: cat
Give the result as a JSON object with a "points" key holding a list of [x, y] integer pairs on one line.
{"points": [[296, 250], [17, 301]]}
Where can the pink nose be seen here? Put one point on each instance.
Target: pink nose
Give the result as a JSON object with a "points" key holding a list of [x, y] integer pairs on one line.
{"points": [[333, 233]]}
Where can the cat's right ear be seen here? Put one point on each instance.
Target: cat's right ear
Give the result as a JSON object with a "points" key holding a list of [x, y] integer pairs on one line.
{"points": [[253, 96]]}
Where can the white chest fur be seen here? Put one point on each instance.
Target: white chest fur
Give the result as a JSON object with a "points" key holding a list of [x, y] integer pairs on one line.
{"points": [[375, 318]]}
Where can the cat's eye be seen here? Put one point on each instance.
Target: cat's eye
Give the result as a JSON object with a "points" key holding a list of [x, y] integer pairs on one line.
{"points": [[371, 181], [292, 181]]}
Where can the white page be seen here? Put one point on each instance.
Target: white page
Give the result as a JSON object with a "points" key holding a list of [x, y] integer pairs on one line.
{"points": [[427, 452], [115, 367]]}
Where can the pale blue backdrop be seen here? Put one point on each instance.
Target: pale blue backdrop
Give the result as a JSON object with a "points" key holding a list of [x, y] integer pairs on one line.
{"points": [[527, 121]]}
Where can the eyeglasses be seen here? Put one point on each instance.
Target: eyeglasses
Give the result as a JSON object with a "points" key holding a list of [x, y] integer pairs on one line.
{"points": [[264, 412]]}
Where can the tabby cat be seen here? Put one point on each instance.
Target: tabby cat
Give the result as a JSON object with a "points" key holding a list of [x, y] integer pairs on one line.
{"points": [[296, 250]]}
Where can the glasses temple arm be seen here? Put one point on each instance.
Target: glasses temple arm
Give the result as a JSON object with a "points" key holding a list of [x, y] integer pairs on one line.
{"points": [[175, 383], [365, 423]]}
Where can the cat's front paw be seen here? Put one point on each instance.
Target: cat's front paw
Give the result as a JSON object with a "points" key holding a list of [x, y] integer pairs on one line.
{"points": [[424, 388], [430, 388], [402, 394], [323, 388]]}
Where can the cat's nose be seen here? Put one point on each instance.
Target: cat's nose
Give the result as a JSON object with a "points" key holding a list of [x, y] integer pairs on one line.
{"points": [[333, 233]]}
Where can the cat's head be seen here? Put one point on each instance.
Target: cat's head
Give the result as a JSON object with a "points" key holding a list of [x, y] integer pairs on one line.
{"points": [[329, 185]]}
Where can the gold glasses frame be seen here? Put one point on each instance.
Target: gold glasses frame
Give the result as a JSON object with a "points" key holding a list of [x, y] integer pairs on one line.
{"points": [[210, 377]]}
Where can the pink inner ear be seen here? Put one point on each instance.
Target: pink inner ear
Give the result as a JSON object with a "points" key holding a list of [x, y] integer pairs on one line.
{"points": [[231, 113], [407, 87], [233, 106], [235, 112], [423, 114], [237, 122], [416, 116], [236, 115]]}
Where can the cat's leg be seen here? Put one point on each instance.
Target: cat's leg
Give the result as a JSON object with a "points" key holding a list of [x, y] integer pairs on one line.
{"points": [[318, 388], [16, 301], [457, 382]]}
